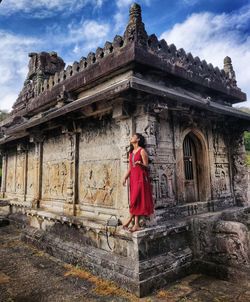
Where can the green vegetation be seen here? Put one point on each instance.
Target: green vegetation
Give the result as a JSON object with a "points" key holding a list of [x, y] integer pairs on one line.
{"points": [[247, 145], [247, 140], [248, 158], [3, 115], [244, 109], [246, 135]]}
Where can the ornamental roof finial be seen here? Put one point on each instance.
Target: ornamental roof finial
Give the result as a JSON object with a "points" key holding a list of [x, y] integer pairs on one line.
{"points": [[135, 30]]}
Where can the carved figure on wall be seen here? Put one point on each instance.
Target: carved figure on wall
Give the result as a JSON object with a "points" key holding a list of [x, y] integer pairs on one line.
{"points": [[164, 186], [97, 184], [31, 176], [55, 180], [221, 185], [20, 172], [239, 168]]}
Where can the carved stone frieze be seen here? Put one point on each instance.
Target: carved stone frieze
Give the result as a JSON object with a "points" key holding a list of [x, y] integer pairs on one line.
{"points": [[98, 182]]}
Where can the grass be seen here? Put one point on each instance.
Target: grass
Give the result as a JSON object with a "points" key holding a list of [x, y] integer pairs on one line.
{"points": [[102, 287], [248, 158]]}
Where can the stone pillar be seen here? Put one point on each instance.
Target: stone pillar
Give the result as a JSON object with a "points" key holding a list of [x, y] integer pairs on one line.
{"points": [[146, 124], [22, 156], [72, 185], [126, 129], [38, 140], [239, 168], [25, 172], [4, 173], [178, 154]]}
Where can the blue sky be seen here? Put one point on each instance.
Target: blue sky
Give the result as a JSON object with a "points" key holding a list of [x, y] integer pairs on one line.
{"points": [[211, 29]]}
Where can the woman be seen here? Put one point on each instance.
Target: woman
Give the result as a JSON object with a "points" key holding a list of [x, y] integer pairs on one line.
{"points": [[141, 201]]}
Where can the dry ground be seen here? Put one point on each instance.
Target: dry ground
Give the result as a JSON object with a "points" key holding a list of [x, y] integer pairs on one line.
{"points": [[27, 274]]}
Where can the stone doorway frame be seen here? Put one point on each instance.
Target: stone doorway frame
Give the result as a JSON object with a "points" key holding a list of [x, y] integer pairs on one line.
{"points": [[203, 166]]}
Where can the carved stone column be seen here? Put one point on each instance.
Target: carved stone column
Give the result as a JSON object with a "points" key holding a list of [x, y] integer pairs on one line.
{"points": [[22, 156], [239, 168], [72, 185], [126, 129], [4, 173], [146, 124], [38, 141]]}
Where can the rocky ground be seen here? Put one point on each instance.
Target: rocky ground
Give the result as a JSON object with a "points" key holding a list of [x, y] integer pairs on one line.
{"points": [[27, 274]]}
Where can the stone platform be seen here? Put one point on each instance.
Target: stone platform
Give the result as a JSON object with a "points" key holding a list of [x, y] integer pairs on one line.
{"points": [[214, 243], [37, 276]]}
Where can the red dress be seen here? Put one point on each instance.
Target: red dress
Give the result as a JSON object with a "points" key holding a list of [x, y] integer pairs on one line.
{"points": [[141, 200]]}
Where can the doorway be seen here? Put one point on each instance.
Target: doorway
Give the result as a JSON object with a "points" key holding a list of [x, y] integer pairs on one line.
{"points": [[191, 148]]}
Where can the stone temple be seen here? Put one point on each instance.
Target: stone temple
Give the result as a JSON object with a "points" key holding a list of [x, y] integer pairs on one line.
{"points": [[65, 150]]}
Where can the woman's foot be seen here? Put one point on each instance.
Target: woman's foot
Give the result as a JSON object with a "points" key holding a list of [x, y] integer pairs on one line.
{"points": [[127, 223], [135, 228]]}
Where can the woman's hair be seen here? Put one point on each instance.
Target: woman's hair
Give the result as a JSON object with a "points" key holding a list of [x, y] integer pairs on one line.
{"points": [[141, 142]]}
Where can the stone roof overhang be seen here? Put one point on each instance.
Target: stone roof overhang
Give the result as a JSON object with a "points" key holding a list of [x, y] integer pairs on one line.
{"points": [[134, 52], [130, 83]]}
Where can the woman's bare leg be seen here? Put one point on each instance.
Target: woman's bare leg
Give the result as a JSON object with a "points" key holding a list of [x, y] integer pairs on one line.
{"points": [[136, 227], [127, 223]]}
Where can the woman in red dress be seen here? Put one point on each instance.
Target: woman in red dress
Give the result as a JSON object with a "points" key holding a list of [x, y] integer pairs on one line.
{"points": [[141, 200]]}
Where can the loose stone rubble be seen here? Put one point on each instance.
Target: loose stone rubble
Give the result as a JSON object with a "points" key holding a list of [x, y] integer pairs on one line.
{"points": [[65, 150]]}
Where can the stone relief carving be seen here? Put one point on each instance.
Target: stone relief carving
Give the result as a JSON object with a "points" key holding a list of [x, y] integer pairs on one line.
{"points": [[20, 166], [31, 177], [220, 241], [221, 182], [162, 182], [56, 165], [125, 134], [231, 243], [98, 182], [10, 173], [239, 168], [55, 179]]}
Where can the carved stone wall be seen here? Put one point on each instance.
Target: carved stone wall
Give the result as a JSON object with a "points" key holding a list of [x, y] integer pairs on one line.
{"points": [[20, 173], [31, 175], [159, 138], [221, 185], [99, 177], [223, 239], [10, 175], [55, 175], [239, 168]]}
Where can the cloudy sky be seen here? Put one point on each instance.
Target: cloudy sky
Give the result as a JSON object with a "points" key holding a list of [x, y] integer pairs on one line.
{"points": [[211, 29]]}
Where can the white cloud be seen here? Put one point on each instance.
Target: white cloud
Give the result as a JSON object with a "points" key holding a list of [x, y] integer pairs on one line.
{"points": [[121, 15], [83, 37], [79, 39], [46, 8], [190, 2], [13, 67], [213, 37]]}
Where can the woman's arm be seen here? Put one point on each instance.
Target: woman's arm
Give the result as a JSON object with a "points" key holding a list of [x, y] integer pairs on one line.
{"points": [[144, 156], [126, 176]]}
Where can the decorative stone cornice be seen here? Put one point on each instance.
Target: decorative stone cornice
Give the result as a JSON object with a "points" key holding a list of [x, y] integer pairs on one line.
{"points": [[49, 85]]}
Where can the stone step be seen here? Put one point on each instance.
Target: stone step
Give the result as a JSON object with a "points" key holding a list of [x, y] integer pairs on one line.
{"points": [[192, 209]]}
